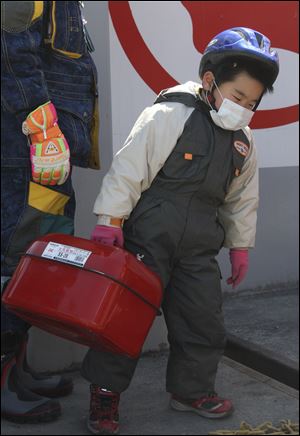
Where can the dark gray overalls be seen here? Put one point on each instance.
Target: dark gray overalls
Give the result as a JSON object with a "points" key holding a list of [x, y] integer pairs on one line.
{"points": [[175, 227]]}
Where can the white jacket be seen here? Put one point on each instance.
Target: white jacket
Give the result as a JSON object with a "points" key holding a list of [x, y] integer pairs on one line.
{"points": [[145, 151]]}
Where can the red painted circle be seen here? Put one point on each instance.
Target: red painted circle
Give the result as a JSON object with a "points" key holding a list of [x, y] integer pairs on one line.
{"points": [[278, 20]]}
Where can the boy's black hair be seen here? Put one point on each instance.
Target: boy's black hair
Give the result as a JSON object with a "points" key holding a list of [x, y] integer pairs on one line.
{"points": [[227, 70]]}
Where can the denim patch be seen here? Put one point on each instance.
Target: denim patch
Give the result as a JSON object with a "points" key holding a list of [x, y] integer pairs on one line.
{"points": [[14, 145], [14, 192], [68, 38]]}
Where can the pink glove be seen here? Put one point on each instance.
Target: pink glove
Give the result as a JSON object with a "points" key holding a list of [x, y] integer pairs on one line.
{"points": [[108, 235], [239, 266]]}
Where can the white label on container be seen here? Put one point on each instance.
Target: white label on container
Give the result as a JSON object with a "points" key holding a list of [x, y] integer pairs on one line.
{"points": [[66, 254]]}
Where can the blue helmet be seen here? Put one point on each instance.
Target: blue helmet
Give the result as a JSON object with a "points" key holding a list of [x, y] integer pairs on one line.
{"points": [[241, 42]]}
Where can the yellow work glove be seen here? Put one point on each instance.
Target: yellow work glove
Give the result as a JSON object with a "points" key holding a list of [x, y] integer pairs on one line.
{"points": [[49, 150]]}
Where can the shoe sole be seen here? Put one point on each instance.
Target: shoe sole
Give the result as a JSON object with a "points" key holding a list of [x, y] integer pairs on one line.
{"points": [[33, 419], [180, 407], [105, 432]]}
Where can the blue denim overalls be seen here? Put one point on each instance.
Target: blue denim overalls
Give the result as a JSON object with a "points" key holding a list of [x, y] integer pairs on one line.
{"points": [[47, 59]]}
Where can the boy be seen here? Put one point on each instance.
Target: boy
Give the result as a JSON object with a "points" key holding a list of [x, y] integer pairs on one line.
{"points": [[184, 185]]}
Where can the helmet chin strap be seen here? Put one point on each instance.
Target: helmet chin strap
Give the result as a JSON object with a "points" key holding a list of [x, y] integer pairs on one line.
{"points": [[210, 99]]}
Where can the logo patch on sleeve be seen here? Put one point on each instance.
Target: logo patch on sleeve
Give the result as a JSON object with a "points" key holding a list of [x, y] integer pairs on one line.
{"points": [[241, 147]]}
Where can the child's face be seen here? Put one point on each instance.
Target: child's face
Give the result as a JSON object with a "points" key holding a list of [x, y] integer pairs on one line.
{"points": [[243, 90]]}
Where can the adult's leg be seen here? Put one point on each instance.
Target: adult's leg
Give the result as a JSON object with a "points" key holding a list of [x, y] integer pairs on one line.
{"points": [[28, 211]]}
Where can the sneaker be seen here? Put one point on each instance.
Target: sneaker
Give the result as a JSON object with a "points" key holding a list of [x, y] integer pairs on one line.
{"points": [[104, 417], [210, 406]]}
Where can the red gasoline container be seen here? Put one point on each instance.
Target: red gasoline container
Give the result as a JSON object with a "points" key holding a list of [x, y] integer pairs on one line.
{"points": [[94, 294]]}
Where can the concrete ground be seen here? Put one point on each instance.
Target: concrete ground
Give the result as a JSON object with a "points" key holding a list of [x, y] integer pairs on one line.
{"points": [[267, 318], [144, 407]]}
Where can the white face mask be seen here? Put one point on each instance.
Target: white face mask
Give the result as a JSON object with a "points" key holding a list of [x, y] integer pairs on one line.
{"points": [[230, 116]]}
